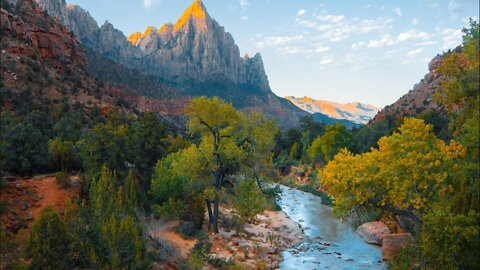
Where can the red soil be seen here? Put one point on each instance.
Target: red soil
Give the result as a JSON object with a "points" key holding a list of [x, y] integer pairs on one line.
{"points": [[26, 198]]}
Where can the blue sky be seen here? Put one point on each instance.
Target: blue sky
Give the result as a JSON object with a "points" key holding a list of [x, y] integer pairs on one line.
{"points": [[367, 51]]}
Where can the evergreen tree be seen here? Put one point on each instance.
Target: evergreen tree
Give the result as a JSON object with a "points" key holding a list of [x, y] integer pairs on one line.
{"points": [[48, 242]]}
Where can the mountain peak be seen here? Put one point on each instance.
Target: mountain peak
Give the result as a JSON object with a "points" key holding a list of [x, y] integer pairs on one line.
{"points": [[196, 11]]}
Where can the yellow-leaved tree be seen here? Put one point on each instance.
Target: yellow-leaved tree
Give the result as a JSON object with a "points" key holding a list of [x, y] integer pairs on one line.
{"points": [[410, 171], [231, 146]]}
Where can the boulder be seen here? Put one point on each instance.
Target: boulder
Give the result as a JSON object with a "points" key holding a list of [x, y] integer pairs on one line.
{"points": [[373, 232], [393, 243]]}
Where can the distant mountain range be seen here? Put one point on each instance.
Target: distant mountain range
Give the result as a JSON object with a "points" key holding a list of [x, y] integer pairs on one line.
{"points": [[354, 112]]}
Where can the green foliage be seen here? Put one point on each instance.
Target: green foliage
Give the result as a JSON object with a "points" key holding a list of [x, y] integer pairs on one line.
{"points": [[166, 183], [172, 208], [48, 242], [112, 237], [324, 147], [248, 200], [61, 153], [189, 230], [292, 143], [198, 255], [63, 179], [23, 147], [450, 240]]}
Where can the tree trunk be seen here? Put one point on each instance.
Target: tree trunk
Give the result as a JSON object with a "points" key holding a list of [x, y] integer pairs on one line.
{"points": [[210, 216], [215, 214]]}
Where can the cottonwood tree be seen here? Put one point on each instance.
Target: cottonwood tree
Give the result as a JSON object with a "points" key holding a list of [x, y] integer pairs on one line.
{"points": [[410, 172], [231, 145]]}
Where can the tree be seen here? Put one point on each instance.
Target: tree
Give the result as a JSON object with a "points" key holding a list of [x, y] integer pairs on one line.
{"points": [[229, 140], [248, 200], [326, 146], [23, 149], [48, 242], [61, 153], [411, 171], [230, 144], [114, 214]]}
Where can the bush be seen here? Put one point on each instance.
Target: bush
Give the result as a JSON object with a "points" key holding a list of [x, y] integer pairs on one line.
{"points": [[62, 179], [198, 255], [248, 200], [170, 209], [188, 230]]}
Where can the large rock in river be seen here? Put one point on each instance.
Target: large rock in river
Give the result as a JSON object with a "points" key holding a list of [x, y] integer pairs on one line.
{"points": [[373, 232], [393, 243]]}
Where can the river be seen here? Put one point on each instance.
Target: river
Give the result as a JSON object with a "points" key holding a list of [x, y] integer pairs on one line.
{"points": [[331, 244]]}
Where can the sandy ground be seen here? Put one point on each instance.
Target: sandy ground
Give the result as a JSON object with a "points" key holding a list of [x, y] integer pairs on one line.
{"points": [[26, 198], [251, 247]]}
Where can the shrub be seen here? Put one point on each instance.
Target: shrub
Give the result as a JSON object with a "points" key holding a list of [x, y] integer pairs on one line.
{"points": [[62, 179], [248, 200], [188, 230], [198, 255], [170, 209]]}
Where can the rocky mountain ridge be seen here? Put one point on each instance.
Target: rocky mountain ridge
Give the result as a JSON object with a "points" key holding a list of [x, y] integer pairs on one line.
{"points": [[195, 54], [354, 112], [417, 100]]}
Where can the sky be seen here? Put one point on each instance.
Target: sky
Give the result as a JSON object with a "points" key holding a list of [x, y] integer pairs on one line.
{"points": [[338, 50]]}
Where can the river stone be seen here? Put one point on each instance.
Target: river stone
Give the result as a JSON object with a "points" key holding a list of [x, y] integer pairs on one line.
{"points": [[373, 232], [393, 243]]}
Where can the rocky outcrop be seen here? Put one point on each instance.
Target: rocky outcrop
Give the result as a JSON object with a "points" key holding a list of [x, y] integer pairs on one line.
{"points": [[373, 232], [197, 47], [355, 112], [417, 100], [392, 244], [50, 40]]}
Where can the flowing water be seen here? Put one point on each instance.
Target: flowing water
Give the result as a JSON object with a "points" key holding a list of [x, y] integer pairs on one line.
{"points": [[331, 244]]}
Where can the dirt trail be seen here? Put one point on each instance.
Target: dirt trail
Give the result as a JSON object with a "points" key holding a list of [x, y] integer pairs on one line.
{"points": [[25, 199]]}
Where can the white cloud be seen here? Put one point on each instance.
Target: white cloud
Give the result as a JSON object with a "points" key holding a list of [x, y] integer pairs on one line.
{"points": [[150, 3], [326, 60], [244, 17], [412, 35], [321, 49], [385, 40], [281, 40], [451, 37], [415, 21], [414, 52], [398, 11], [331, 18], [343, 30], [293, 50], [244, 3], [366, 26], [302, 12], [426, 43], [358, 45]]}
